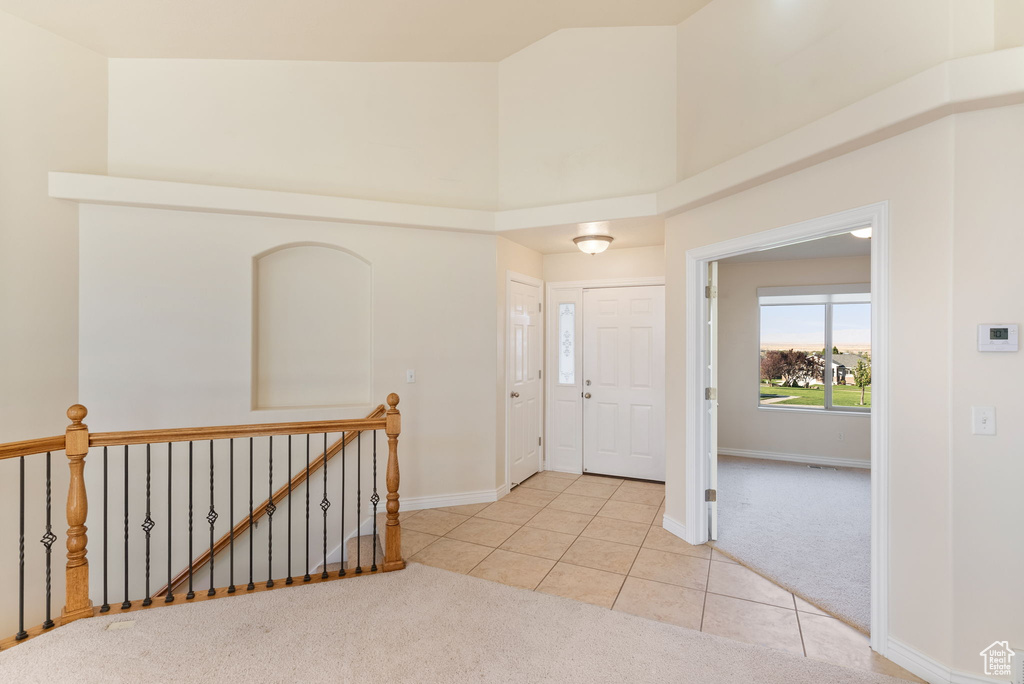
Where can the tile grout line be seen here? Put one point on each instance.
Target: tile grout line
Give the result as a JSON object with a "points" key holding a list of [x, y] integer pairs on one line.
{"points": [[799, 627], [704, 605], [631, 564]]}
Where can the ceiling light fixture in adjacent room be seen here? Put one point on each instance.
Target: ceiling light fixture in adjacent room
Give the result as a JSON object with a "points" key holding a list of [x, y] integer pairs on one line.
{"points": [[593, 244], [861, 232]]}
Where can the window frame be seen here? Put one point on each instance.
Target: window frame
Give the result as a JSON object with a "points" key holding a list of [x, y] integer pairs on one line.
{"points": [[818, 295]]}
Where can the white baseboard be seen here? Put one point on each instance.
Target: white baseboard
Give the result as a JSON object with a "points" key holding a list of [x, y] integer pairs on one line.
{"points": [[673, 526], [417, 503], [929, 669], [796, 458]]}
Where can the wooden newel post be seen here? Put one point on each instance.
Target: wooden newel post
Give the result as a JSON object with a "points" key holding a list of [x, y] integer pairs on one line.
{"points": [[77, 604], [393, 531]]}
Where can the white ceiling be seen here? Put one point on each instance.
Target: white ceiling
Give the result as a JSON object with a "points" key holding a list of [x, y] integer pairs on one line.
{"points": [[844, 245], [333, 30], [634, 232]]}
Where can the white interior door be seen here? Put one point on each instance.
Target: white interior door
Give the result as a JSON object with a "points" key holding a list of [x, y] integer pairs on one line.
{"points": [[711, 399], [524, 380], [624, 382]]}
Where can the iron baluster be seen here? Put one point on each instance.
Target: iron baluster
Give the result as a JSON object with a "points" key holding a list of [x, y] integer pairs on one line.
{"points": [[374, 499], [289, 579], [48, 538], [106, 604], [231, 514], [359, 501], [252, 534], [307, 577], [126, 604], [211, 517], [22, 634], [324, 505], [341, 573], [271, 508], [169, 597], [191, 536], [147, 524]]}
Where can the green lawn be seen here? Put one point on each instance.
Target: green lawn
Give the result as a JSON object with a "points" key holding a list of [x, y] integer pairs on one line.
{"points": [[842, 395]]}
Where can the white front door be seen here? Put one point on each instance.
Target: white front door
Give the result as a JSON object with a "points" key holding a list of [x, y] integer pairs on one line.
{"points": [[624, 382], [524, 380]]}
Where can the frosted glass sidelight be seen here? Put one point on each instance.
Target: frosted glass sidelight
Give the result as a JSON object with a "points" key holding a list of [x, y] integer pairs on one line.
{"points": [[567, 344]]}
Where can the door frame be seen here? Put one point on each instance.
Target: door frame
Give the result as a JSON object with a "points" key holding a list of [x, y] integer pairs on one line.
{"points": [[697, 260], [551, 346], [511, 277]]}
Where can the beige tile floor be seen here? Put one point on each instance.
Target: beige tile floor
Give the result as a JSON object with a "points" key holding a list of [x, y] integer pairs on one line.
{"points": [[599, 540]]}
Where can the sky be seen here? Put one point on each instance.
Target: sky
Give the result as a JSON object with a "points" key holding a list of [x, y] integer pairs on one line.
{"points": [[804, 326]]}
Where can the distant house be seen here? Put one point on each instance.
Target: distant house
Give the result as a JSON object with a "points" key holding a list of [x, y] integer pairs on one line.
{"points": [[842, 367]]}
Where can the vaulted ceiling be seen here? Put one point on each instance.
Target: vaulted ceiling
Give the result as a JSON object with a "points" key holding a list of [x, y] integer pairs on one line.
{"points": [[333, 30]]}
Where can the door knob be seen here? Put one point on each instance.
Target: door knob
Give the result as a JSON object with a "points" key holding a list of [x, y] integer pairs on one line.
{"points": [[515, 395], [587, 395]]}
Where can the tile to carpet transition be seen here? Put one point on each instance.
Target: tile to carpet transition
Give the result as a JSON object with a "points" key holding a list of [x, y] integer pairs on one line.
{"points": [[754, 623], [662, 602], [582, 584], [513, 569], [828, 639]]}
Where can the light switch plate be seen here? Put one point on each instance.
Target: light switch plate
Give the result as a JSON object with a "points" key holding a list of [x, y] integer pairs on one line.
{"points": [[983, 419], [410, 375]]}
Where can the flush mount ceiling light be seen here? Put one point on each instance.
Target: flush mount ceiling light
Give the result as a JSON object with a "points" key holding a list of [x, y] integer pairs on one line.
{"points": [[862, 232], [593, 244]]}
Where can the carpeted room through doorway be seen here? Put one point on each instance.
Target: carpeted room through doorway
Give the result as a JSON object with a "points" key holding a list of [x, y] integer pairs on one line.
{"points": [[808, 529]]}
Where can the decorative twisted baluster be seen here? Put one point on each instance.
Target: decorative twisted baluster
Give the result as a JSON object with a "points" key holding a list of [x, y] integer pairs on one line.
{"points": [[22, 634], [271, 509], [48, 538], [374, 499], [324, 505], [148, 524], [211, 518]]}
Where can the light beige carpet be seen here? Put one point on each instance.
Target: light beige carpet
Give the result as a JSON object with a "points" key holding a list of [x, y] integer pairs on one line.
{"points": [[417, 625]]}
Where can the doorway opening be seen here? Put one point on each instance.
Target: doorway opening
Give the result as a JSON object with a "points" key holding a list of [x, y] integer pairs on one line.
{"points": [[817, 385]]}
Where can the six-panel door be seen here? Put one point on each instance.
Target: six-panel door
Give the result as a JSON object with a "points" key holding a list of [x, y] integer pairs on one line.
{"points": [[624, 376]]}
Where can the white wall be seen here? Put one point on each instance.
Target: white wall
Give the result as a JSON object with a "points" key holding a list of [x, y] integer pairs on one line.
{"points": [[634, 262], [408, 132], [166, 340], [52, 116], [750, 71], [586, 114], [741, 424], [914, 172], [986, 286]]}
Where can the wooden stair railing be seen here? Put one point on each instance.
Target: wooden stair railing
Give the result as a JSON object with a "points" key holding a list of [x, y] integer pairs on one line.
{"points": [[76, 443], [261, 510]]}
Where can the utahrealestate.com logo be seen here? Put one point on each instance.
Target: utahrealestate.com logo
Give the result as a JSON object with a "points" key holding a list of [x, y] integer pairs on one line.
{"points": [[998, 659]]}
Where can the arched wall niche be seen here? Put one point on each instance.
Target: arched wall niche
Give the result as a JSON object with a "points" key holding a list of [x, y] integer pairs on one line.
{"points": [[312, 327]]}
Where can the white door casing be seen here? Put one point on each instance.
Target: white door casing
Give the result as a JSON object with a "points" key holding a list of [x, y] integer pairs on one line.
{"points": [[624, 376], [524, 355], [711, 401]]}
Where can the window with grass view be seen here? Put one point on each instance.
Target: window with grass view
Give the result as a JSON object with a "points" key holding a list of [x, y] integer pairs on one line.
{"points": [[815, 347]]}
